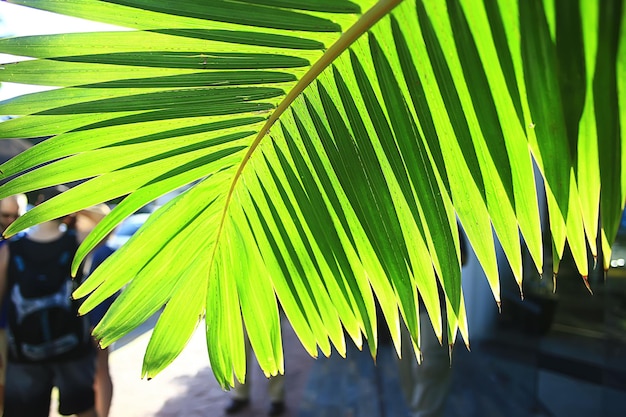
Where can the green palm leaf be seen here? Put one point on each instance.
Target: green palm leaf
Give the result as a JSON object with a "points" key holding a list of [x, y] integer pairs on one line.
{"points": [[333, 148]]}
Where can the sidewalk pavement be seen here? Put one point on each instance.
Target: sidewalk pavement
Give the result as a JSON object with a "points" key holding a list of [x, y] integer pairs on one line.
{"points": [[485, 383]]}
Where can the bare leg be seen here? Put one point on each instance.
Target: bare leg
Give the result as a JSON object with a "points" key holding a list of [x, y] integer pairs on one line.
{"points": [[103, 385]]}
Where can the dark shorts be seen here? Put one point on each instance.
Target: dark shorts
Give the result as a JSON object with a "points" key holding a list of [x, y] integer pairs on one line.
{"points": [[29, 387]]}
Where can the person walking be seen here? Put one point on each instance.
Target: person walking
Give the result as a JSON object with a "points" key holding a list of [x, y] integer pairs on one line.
{"points": [[49, 343], [11, 208], [103, 383], [241, 392], [426, 385]]}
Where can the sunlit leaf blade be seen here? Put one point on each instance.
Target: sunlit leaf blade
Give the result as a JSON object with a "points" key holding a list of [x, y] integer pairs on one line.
{"points": [[398, 134], [350, 277], [176, 323], [505, 162], [229, 12], [258, 303], [430, 102], [75, 142], [588, 161], [195, 216], [408, 208], [225, 338], [332, 152], [539, 66], [114, 76], [142, 14], [162, 52], [608, 237], [611, 147]]}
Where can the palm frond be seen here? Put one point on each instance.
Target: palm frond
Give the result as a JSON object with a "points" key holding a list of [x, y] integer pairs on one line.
{"points": [[334, 148]]}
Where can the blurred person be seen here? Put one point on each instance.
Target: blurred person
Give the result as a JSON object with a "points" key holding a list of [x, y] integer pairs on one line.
{"points": [[241, 392], [103, 383], [11, 208], [426, 385], [49, 343]]}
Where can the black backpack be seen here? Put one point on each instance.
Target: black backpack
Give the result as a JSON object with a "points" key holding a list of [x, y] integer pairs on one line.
{"points": [[43, 318]]}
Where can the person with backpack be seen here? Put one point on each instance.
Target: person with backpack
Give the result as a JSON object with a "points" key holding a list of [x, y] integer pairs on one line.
{"points": [[49, 343]]}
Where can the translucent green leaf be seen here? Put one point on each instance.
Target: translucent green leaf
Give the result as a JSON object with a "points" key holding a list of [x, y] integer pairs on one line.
{"points": [[331, 152]]}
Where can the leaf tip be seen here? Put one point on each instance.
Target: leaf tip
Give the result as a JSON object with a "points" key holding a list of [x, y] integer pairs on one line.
{"points": [[586, 281]]}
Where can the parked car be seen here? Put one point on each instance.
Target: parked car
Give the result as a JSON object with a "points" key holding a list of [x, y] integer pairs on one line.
{"points": [[126, 229]]}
